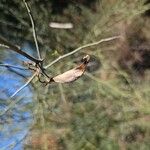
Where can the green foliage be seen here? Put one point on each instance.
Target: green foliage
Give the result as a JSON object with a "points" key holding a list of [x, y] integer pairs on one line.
{"points": [[106, 109]]}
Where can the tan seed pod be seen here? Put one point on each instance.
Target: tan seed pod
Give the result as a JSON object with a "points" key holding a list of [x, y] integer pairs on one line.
{"points": [[73, 74]]}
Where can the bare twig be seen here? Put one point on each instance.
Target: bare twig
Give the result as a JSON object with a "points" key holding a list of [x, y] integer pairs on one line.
{"points": [[17, 49], [17, 72], [13, 66], [12, 103], [22, 87], [80, 48], [2, 45], [33, 28]]}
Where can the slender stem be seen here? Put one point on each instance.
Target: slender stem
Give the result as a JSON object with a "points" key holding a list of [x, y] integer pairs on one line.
{"points": [[22, 87], [12, 103], [13, 66], [16, 72], [33, 28], [17, 49], [80, 48], [2, 45]]}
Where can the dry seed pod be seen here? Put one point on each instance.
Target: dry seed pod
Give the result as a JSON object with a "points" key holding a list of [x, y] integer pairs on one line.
{"points": [[73, 74]]}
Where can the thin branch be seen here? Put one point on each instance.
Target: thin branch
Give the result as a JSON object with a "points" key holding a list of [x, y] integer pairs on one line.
{"points": [[2, 45], [13, 66], [33, 28], [12, 103], [17, 49], [22, 87], [80, 48], [16, 72]]}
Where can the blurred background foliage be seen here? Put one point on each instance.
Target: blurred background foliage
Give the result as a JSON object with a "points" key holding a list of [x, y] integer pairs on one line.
{"points": [[109, 107]]}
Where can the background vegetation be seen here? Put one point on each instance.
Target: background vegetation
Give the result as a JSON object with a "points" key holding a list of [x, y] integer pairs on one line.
{"points": [[109, 107]]}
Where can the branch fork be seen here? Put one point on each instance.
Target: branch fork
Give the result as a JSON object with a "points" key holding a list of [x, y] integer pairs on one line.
{"points": [[36, 64]]}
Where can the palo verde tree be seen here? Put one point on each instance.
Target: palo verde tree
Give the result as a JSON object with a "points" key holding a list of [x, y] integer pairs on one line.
{"points": [[106, 108]]}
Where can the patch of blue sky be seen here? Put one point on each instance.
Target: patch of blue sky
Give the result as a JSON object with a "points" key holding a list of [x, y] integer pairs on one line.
{"points": [[14, 142], [9, 84], [12, 133]]}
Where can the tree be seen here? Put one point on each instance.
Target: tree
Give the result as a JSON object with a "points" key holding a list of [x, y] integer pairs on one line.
{"points": [[103, 109]]}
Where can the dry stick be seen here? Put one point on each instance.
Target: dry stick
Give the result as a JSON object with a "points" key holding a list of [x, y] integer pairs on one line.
{"points": [[16, 72], [82, 47], [17, 49], [22, 87], [13, 66], [17, 100], [33, 28], [2, 45]]}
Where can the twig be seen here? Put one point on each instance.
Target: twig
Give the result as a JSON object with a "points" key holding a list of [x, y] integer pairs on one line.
{"points": [[82, 47], [33, 28], [17, 72], [17, 100], [17, 49], [22, 87], [13, 66], [2, 45]]}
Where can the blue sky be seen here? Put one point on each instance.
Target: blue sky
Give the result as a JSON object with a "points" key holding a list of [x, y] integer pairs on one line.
{"points": [[14, 130]]}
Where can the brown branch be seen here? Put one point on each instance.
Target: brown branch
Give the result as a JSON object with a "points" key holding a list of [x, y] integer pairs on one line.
{"points": [[82, 47], [16, 72], [13, 66], [17, 49], [33, 28]]}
